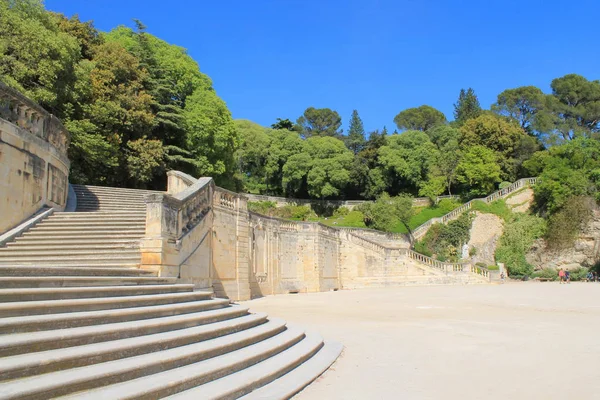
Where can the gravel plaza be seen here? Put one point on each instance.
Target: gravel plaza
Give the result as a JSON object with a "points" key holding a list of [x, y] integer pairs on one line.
{"points": [[514, 341]]}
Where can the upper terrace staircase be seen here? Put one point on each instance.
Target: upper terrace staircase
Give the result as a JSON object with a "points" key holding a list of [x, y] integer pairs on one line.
{"points": [[79, 319]]}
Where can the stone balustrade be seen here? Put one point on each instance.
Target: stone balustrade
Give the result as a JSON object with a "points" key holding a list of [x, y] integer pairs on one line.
{"points": [[31, 117], [421, 230], [283, 201], [35, 166]]}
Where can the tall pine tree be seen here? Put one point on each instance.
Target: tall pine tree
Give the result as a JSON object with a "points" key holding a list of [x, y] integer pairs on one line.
{"points": [[356, 134], [467, 106]]}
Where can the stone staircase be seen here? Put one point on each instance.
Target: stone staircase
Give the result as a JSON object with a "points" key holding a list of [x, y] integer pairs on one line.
{"points": [[79, 319]]}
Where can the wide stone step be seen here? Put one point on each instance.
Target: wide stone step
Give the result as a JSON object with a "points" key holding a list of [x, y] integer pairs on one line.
{"points": [[91, 188], [294, 381], [77, 281], [169, 382], [33, 323], [51, 230], [69, 246], [35, 294], [59, 359], [25, 253], [246, 380], [72, 271], [21, 343], [77, 261], [94, 222], [91, 235], [44, 307]]}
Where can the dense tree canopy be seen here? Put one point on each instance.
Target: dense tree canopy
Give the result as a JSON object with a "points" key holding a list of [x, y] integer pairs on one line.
{"points": [[420, 118], [137, 106]]}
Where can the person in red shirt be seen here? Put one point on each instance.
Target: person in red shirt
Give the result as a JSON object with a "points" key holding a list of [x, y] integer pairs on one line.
{"points": [[561, 275]]}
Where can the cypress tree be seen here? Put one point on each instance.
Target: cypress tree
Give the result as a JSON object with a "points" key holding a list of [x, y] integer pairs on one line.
{"points": [[356, 134], [467, 106]]}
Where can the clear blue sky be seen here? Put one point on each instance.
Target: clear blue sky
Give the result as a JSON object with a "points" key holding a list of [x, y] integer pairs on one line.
{"points": [[275, 58]]}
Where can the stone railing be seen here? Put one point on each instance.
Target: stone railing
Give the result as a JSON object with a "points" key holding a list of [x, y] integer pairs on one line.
{"points": [[479, 271], [31, 117], [282, 201], [398, 239], [33, 155], [227, 199], [421, 230], [442, 266], [172, 216]]}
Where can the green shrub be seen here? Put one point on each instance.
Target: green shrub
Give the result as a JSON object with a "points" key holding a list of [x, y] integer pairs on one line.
{"points": [[504, 185], [519, 234], [567, 223], [473, 251], [297, 213], [493, 268], [579, 274], [480, 264], [547, 273], [262, 207], [443, 241], [341, 212], [447, 205]]}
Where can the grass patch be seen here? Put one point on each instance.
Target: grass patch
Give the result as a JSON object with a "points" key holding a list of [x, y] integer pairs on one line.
{"points": [[354, 219], [497, 207]]}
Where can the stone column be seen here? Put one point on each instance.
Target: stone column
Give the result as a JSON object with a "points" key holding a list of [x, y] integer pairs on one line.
{"points": [[159, 247]]}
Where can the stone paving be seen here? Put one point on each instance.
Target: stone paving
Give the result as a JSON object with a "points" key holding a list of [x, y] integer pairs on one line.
{"points": [[514, 341]]}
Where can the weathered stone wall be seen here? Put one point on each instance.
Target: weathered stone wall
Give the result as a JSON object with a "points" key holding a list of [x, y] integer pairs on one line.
{"points": [[34, 167], [205, 235]]}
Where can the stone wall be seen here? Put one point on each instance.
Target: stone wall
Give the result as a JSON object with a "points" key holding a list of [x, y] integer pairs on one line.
{"points": [[206, 235], [34, 167], [350, 204]]}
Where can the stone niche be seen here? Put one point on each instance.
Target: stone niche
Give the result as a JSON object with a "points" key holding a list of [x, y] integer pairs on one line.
{"points": [[34, 168]]}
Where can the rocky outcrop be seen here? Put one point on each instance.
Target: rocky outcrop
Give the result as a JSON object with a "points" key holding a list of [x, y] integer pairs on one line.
{"points": [[485, 233], [585, 251]]}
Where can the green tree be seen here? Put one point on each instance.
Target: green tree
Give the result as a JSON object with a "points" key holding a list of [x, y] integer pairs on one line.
{"points": [[467, 106], [320, 122], [282, 145], [576, 105], [386, 212], [356, 134], [36, 57], [322, 169], [407, 158], [478, 168], [442, 172], [420, 118], [283, 124], [496, 133], [251, 155], [211, 136], [525, 104]]}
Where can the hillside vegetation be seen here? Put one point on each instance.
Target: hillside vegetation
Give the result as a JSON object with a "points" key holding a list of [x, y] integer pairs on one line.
{"points": [[137, 106]]}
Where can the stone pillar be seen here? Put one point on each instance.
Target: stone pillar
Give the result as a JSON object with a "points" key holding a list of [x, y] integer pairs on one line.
{"points": [[158, 247]]}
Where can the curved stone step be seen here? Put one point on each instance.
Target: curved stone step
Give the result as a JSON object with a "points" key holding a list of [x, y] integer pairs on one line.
{"points": [[10, 253], [242, 382], [34, 323], [133, 262], [175, 380], [60, 359], [68, 247], [72, 271], [79, 281], [97, 229], [34, 294], [20, 343], [17, 308], [294, 381], [44, 240]]}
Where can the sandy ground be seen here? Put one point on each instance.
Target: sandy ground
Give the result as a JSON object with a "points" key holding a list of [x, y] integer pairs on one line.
{"points": [[514, 341]]}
